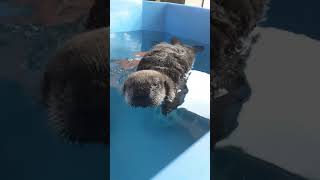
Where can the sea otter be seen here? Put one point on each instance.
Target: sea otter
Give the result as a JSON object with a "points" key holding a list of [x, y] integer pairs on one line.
{"points": [[160, 79]]}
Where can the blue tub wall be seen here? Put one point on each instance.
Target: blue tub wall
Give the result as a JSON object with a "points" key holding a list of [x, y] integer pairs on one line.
{"points": [[154, 16], [134, 15], [199, 22], [171, 18], [127, 17], [125, 45]]}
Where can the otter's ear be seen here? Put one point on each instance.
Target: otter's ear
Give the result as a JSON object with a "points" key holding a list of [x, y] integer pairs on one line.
{"points": [[170, 90], [175, 41]]}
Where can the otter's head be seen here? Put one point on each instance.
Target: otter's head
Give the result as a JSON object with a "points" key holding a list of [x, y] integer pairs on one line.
{"points": [[148, 88]]}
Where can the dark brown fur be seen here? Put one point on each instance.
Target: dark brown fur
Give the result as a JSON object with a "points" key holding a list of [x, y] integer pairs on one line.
{"points": [[98, 16], [233, 22], [75, 88], [167, 65]]}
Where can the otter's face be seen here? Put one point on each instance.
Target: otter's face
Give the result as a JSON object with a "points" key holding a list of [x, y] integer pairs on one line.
{"points": [[145, 88]]}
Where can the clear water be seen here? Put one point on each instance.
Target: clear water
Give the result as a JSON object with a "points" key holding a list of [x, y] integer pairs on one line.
{"points": [[142, 141], [29, 149]]}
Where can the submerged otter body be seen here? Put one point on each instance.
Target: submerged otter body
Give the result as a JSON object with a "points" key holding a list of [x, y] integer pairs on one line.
{"points": [[160, 79], [75, 88]]}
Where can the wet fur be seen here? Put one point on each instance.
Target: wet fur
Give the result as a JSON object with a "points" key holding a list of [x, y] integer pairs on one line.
{"points": [[165, 65], [233, 22], [75, 88], [149, 82]]}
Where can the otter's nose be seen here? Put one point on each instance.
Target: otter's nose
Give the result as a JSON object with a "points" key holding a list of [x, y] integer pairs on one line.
{"points": [[141, 100]]}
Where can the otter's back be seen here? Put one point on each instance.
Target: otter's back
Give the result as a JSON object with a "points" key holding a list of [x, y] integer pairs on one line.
{"points": [[173, 60]]}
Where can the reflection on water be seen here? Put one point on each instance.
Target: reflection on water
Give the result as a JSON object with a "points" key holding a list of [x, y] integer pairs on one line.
{"points": [[29, 148], [143, 141]]}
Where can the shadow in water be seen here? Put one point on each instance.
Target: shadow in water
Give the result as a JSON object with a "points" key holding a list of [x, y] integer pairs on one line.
{"points": [[233, 163]]}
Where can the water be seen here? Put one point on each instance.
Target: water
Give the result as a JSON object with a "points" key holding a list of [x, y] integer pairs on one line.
{"points": [[29, 149], [124, 45], [142, 141], [6, 9]]}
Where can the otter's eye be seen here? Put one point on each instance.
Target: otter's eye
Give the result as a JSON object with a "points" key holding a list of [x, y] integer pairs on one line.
{"points": [[157, 85]]}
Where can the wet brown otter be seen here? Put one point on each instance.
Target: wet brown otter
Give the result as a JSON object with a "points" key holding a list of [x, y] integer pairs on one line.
{"points": [[160, 79]]}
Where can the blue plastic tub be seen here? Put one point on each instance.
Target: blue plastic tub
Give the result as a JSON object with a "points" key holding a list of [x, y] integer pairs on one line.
{"points": [[142, 147]]}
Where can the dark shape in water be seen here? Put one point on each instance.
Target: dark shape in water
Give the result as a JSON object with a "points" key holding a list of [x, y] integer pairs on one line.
{"points": [[233, 38], [98, 15], [75, 88]]}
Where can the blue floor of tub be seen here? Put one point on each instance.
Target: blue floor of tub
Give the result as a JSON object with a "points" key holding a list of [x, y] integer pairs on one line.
{"points": [[140, 144]]}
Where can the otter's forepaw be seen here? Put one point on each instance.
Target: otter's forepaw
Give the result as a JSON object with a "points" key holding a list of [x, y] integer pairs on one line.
{"points": [[166, 109], [161, 118]]}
